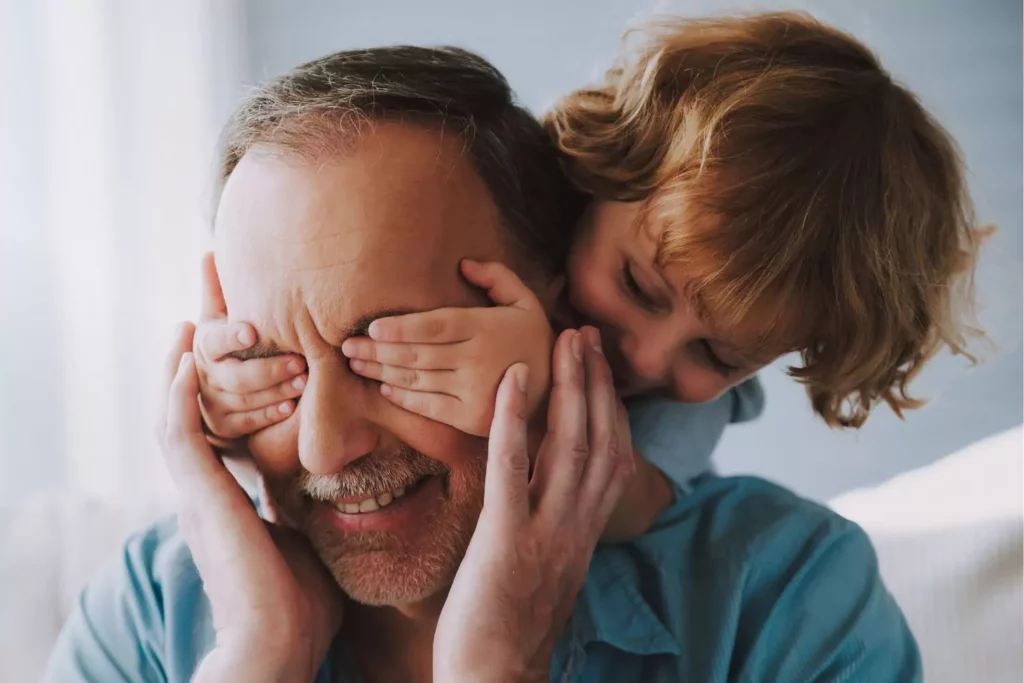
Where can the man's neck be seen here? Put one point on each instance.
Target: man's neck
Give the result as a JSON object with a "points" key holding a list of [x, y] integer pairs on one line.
{"points": [[393, 643]]}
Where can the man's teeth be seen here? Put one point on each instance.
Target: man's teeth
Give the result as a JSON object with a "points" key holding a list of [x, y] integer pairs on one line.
{"points": [[373, 504]]}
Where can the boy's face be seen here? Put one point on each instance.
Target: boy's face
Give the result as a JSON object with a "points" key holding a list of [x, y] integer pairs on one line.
{"points": [[656, 341]]}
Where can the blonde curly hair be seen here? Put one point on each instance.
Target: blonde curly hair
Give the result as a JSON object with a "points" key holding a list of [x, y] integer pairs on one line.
{"points": [[785, 170]]}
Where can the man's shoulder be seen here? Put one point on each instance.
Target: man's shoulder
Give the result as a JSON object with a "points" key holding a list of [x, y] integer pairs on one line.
{"points": [[746, 518], [761, 580], [144, 615]]}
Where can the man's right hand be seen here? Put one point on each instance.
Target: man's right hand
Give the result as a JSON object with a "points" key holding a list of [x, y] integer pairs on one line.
{"points": [[275, 607]]}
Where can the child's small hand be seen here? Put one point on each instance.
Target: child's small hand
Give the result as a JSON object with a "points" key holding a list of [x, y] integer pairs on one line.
{"points": [[446, 364], [239, 397]]}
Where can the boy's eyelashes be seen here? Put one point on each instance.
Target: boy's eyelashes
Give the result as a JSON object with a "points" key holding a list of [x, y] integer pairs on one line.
{"points": [[716, 362], [636, 292]]}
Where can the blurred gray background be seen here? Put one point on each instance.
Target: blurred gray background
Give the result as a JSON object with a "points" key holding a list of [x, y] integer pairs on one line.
{"points": [[962, 58]]}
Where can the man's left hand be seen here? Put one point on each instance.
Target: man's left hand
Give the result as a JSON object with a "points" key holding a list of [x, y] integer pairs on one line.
{"points": [[529, 555]]}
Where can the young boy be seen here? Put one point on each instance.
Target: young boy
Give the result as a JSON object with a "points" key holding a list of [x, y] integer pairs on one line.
{"points": [[760, 186]]}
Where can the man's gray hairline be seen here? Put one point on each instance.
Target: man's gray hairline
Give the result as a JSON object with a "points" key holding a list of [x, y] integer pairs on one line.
{"points": [[270, 144]]}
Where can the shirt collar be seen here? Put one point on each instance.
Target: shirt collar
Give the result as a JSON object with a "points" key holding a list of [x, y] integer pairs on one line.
{"points": [[611, 609]]}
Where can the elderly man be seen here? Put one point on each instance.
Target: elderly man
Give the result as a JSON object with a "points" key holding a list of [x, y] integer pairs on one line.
{"points": [[354, 186]]}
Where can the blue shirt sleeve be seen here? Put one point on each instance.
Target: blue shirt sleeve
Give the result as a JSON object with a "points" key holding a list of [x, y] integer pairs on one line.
{"points": [[142, 619], [679, 438]]}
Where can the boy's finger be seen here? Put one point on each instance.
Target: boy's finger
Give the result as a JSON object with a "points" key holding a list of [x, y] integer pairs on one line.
{"points": [[251, 376], [213, 305], [437, 407], [217, 338], [440, 326], [503, 286], [565, 450], [227, 402], [237, 425], [422, 356], [433, 381], [506, 484]]}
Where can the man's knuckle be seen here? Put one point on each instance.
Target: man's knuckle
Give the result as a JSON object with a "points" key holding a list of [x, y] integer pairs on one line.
{"points": [[518, 462]]}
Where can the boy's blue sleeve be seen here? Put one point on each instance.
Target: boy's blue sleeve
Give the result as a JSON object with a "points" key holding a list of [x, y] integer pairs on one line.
{"points": [[679, 438]]}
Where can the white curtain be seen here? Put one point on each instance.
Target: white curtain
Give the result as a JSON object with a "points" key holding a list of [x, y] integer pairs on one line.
{"points": [[108, 122]]}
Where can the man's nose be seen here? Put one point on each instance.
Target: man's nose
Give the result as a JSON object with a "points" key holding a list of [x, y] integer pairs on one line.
{"points": [[333, 425]]}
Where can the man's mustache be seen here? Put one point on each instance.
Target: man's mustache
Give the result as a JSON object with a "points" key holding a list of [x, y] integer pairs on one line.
{"points": [[370, 475]]}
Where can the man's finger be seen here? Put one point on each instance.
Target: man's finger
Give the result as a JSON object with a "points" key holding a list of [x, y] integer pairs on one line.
{"points": [[213, 305], [607, 451], [624, 470], [189, 456], [565, 450], [182, 342], [503, 286], [506, 492]]}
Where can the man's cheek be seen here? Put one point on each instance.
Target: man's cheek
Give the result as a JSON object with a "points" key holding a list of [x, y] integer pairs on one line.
{"points": [[275, 449], [433, 439]]}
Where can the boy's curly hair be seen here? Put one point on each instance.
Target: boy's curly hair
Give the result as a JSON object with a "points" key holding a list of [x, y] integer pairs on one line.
{"points": [[785, 169]]}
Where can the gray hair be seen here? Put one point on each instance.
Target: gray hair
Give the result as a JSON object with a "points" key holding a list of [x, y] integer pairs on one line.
{"points": [[321, 106]]}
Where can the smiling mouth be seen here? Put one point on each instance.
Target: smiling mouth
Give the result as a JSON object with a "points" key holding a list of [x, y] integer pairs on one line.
{"points": [[378, 501]]}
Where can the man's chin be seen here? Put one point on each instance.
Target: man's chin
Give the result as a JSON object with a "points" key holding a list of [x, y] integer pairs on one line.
{"points": [[383, 569], [396, 556]]}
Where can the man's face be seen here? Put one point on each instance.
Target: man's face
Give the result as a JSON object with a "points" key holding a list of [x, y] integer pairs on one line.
{"points": [[310, 253]]}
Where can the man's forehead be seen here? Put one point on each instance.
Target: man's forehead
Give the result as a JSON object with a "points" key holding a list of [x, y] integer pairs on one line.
{"points": [[386, 221]]}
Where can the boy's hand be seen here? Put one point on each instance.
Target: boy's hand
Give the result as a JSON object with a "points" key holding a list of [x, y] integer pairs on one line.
{"points": [[447, 364], [238, 397]]}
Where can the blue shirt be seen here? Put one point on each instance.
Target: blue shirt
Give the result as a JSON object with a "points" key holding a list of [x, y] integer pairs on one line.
{"points": [[679, 438], [739, 580]]}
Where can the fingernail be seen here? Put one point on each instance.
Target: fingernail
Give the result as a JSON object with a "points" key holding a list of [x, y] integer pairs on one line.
{"points": [[374, 330], [385, 389], [185, 358], [595, 339], [245, 336], [284, 408], [294, 367], [577, 346], [357, 364], [298, 383], [520, 377]]}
